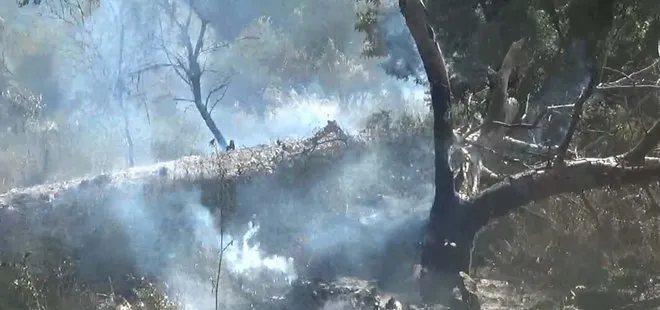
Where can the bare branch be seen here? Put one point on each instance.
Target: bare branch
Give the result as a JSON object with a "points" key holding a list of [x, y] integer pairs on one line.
{"points": [[178, 66], [526, 147], [574, 177], [224, 92], [514, 145], [177, 63], [632, 75], [575, 118], [220, 87], [618, 71], [644, 146], [184, 99], [619, 87], [516, 125], [560, 106], [501, 156]]}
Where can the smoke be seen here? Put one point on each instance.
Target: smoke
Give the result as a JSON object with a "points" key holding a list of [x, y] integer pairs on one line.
{"points": [[305, 68], [302, 68], [272, 241], [566, 85], [177, 242]]}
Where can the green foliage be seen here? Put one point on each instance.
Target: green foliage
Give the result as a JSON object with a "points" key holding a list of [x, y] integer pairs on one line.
{"points": [[475, 35]]}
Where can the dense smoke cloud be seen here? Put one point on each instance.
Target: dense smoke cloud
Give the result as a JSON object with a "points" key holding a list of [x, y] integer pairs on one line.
{"points": [[301, 67]]}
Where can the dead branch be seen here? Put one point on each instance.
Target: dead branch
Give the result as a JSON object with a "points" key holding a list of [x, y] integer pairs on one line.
{"points": [[220, 87], [516, 125], [619, 87], [631, 76], [575, 118], [499, 87]]}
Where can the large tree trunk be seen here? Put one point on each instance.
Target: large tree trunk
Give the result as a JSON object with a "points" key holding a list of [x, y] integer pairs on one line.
{"points": [[445, 252], [206, 115]]}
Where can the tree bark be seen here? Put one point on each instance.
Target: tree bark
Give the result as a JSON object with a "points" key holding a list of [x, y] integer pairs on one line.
{"points": [[443, 250], [206, 116]]}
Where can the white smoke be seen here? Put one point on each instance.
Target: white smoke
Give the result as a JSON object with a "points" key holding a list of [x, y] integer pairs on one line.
{"points": [[180, 242], [274, 94]]}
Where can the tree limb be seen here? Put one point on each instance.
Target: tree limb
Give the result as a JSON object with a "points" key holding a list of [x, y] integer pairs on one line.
{"points": [[629, 77], [200, 39], [575, 177], [516, 125], [221, 86], [575, 118], [619, 87]]}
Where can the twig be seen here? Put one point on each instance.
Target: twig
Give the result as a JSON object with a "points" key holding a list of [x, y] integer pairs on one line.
{"points": [[630, 76], [561, 106], [618, 71], [516, 125], [222, 96], [184, 99], [220, 87], [504, 157], [616, 87]]}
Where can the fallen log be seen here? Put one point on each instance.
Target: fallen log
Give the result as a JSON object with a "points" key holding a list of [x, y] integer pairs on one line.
{"points": [[53, 209], [330, 142]]}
